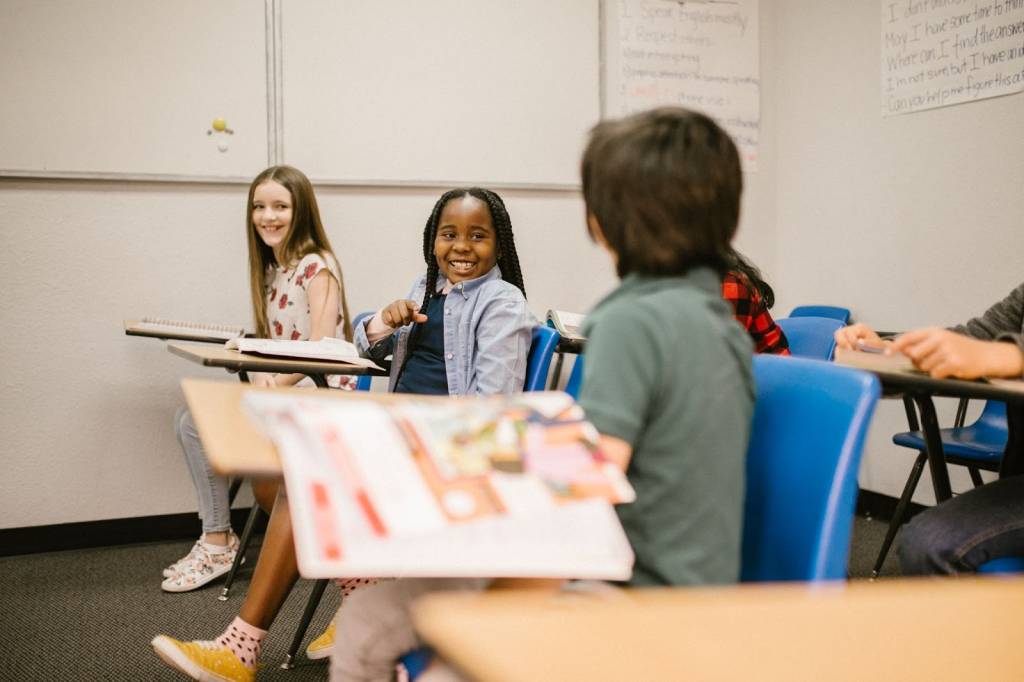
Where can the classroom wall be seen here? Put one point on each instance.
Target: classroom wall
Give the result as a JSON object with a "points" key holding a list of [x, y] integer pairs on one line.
{"points": [[910, 221], [87, 418]]}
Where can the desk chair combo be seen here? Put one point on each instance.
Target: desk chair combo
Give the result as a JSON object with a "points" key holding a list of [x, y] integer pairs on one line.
{"points": [[538, 364], [806, 442], [977, 446]]}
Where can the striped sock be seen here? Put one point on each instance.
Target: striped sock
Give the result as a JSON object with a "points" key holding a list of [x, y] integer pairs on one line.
{"points": [[244, 641]]}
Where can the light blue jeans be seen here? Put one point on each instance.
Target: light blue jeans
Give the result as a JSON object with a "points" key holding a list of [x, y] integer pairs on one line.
{"points": [[967, 531], [211, 488]]}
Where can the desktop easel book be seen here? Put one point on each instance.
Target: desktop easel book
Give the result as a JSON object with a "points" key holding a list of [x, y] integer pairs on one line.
{"points": [[504, 487]]}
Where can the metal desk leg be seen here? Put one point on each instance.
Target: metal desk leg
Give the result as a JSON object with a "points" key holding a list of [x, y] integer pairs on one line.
{"points": [[307, 618], [933, 441], [556, 376], [319, 379]]}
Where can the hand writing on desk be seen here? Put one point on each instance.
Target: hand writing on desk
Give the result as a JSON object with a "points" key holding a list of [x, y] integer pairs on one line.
{"points": [[943, 354], [401, 313], [853, 336]]}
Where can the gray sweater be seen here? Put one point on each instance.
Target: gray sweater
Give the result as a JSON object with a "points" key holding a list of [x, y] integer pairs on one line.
{"points": [[1004, 321]]}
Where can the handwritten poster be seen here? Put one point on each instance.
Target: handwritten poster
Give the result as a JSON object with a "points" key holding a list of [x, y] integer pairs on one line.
{"points": [[941, 52], [699, 55]]}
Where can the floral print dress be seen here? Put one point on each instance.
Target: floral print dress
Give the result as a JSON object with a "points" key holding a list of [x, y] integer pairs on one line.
{"points": [[288, 312]]}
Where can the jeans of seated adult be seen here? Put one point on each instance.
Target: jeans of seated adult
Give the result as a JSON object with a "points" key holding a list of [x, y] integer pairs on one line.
{"points": [[967, 531]]}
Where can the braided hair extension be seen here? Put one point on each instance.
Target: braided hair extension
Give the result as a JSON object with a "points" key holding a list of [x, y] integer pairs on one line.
{"points": [[508, 258]]}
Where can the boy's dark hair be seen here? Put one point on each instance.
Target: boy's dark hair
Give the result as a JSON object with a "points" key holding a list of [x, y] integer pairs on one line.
{"points": [[508, 259], [664, 186], [752, 273]]}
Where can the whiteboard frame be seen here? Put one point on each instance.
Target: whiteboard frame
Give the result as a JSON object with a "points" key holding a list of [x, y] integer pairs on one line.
{"points": [[275, 134]]}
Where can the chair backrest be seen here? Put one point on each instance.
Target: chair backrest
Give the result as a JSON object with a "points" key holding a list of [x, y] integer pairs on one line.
{"points": [[831, 311], [538, 362], [810, 419], [572, 387], [810, 337], [993, 416], [363, 382]]}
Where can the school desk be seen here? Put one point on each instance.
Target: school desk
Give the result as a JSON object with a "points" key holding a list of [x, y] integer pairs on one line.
{"points": [[243, 363], [233, 444], [901, 629], [921, 388]]}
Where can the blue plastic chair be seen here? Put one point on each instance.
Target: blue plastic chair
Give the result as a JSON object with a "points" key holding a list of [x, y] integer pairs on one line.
{"points": [[977, 446], [538, 362], [810, 337], [575, 378], [1004, 565], [830, 311], [810, 420], [362, 382]]}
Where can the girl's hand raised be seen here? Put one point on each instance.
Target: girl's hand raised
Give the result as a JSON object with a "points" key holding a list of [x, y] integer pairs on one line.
{"points": [[401, 313]]}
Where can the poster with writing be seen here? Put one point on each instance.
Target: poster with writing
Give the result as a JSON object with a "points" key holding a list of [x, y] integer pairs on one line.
{"points": [[941, 52], [698, 55]]}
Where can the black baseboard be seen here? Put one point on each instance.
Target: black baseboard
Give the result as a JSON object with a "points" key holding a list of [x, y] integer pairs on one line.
{"points": [[89, 534], [879, 506]]}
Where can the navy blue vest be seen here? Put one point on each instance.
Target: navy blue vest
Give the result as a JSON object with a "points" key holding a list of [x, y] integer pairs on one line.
{"points": [[424, 371]]}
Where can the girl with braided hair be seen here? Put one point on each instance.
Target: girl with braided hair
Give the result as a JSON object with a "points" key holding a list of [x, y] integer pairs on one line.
{"points": [[464, 328]]}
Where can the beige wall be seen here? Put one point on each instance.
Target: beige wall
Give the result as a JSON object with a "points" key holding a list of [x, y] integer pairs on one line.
{"points": [[908, 220], [911, 220]]}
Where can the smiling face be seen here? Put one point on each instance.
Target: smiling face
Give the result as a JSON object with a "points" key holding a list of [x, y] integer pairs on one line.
{"points": [[272, 214], [466, 245]]}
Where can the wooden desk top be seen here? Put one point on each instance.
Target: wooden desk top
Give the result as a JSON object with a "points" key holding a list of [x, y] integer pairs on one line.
{"points": [[218, 356], [906, 629], [232, 443], [895, 376]]}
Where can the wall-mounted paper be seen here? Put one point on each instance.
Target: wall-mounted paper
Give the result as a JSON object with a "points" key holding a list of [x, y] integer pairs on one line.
{"points": [[699, 55], [941, 52]]}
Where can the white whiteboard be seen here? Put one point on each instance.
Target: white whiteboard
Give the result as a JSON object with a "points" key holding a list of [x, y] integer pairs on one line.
{"points": [[130, 87], [447, 91], [948, 53], [699, 55]]}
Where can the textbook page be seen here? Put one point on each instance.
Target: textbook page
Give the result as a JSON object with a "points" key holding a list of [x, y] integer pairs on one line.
{"points": [[567, 324], [497, 487], [327, 348]]}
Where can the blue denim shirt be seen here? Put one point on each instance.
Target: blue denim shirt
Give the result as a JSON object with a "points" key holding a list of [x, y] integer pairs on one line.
{"points": [[487, 334]]}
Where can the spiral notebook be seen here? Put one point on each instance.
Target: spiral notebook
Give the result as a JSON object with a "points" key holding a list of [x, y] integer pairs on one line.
{"points": [[182, 330]]}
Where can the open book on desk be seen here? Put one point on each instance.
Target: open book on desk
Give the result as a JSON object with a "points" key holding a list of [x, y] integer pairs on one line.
{"points": [[327, 348], [509, 486], [899, 363], [567, 324], [182, 331]]}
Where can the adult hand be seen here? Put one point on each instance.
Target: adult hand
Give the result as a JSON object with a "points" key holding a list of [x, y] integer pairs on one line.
{"points": [[943, 353], [852, 336], [401, 313]]}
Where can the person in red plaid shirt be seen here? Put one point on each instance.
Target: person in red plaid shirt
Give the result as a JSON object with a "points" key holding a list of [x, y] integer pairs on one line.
{"points": [[751, 297]]}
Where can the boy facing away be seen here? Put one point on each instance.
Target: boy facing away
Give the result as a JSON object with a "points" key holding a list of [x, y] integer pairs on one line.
{"points": [[668, 380]]}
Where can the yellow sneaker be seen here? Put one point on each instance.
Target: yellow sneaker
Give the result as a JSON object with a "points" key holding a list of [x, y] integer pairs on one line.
{"points": [[204, 661], [322, 646]]}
